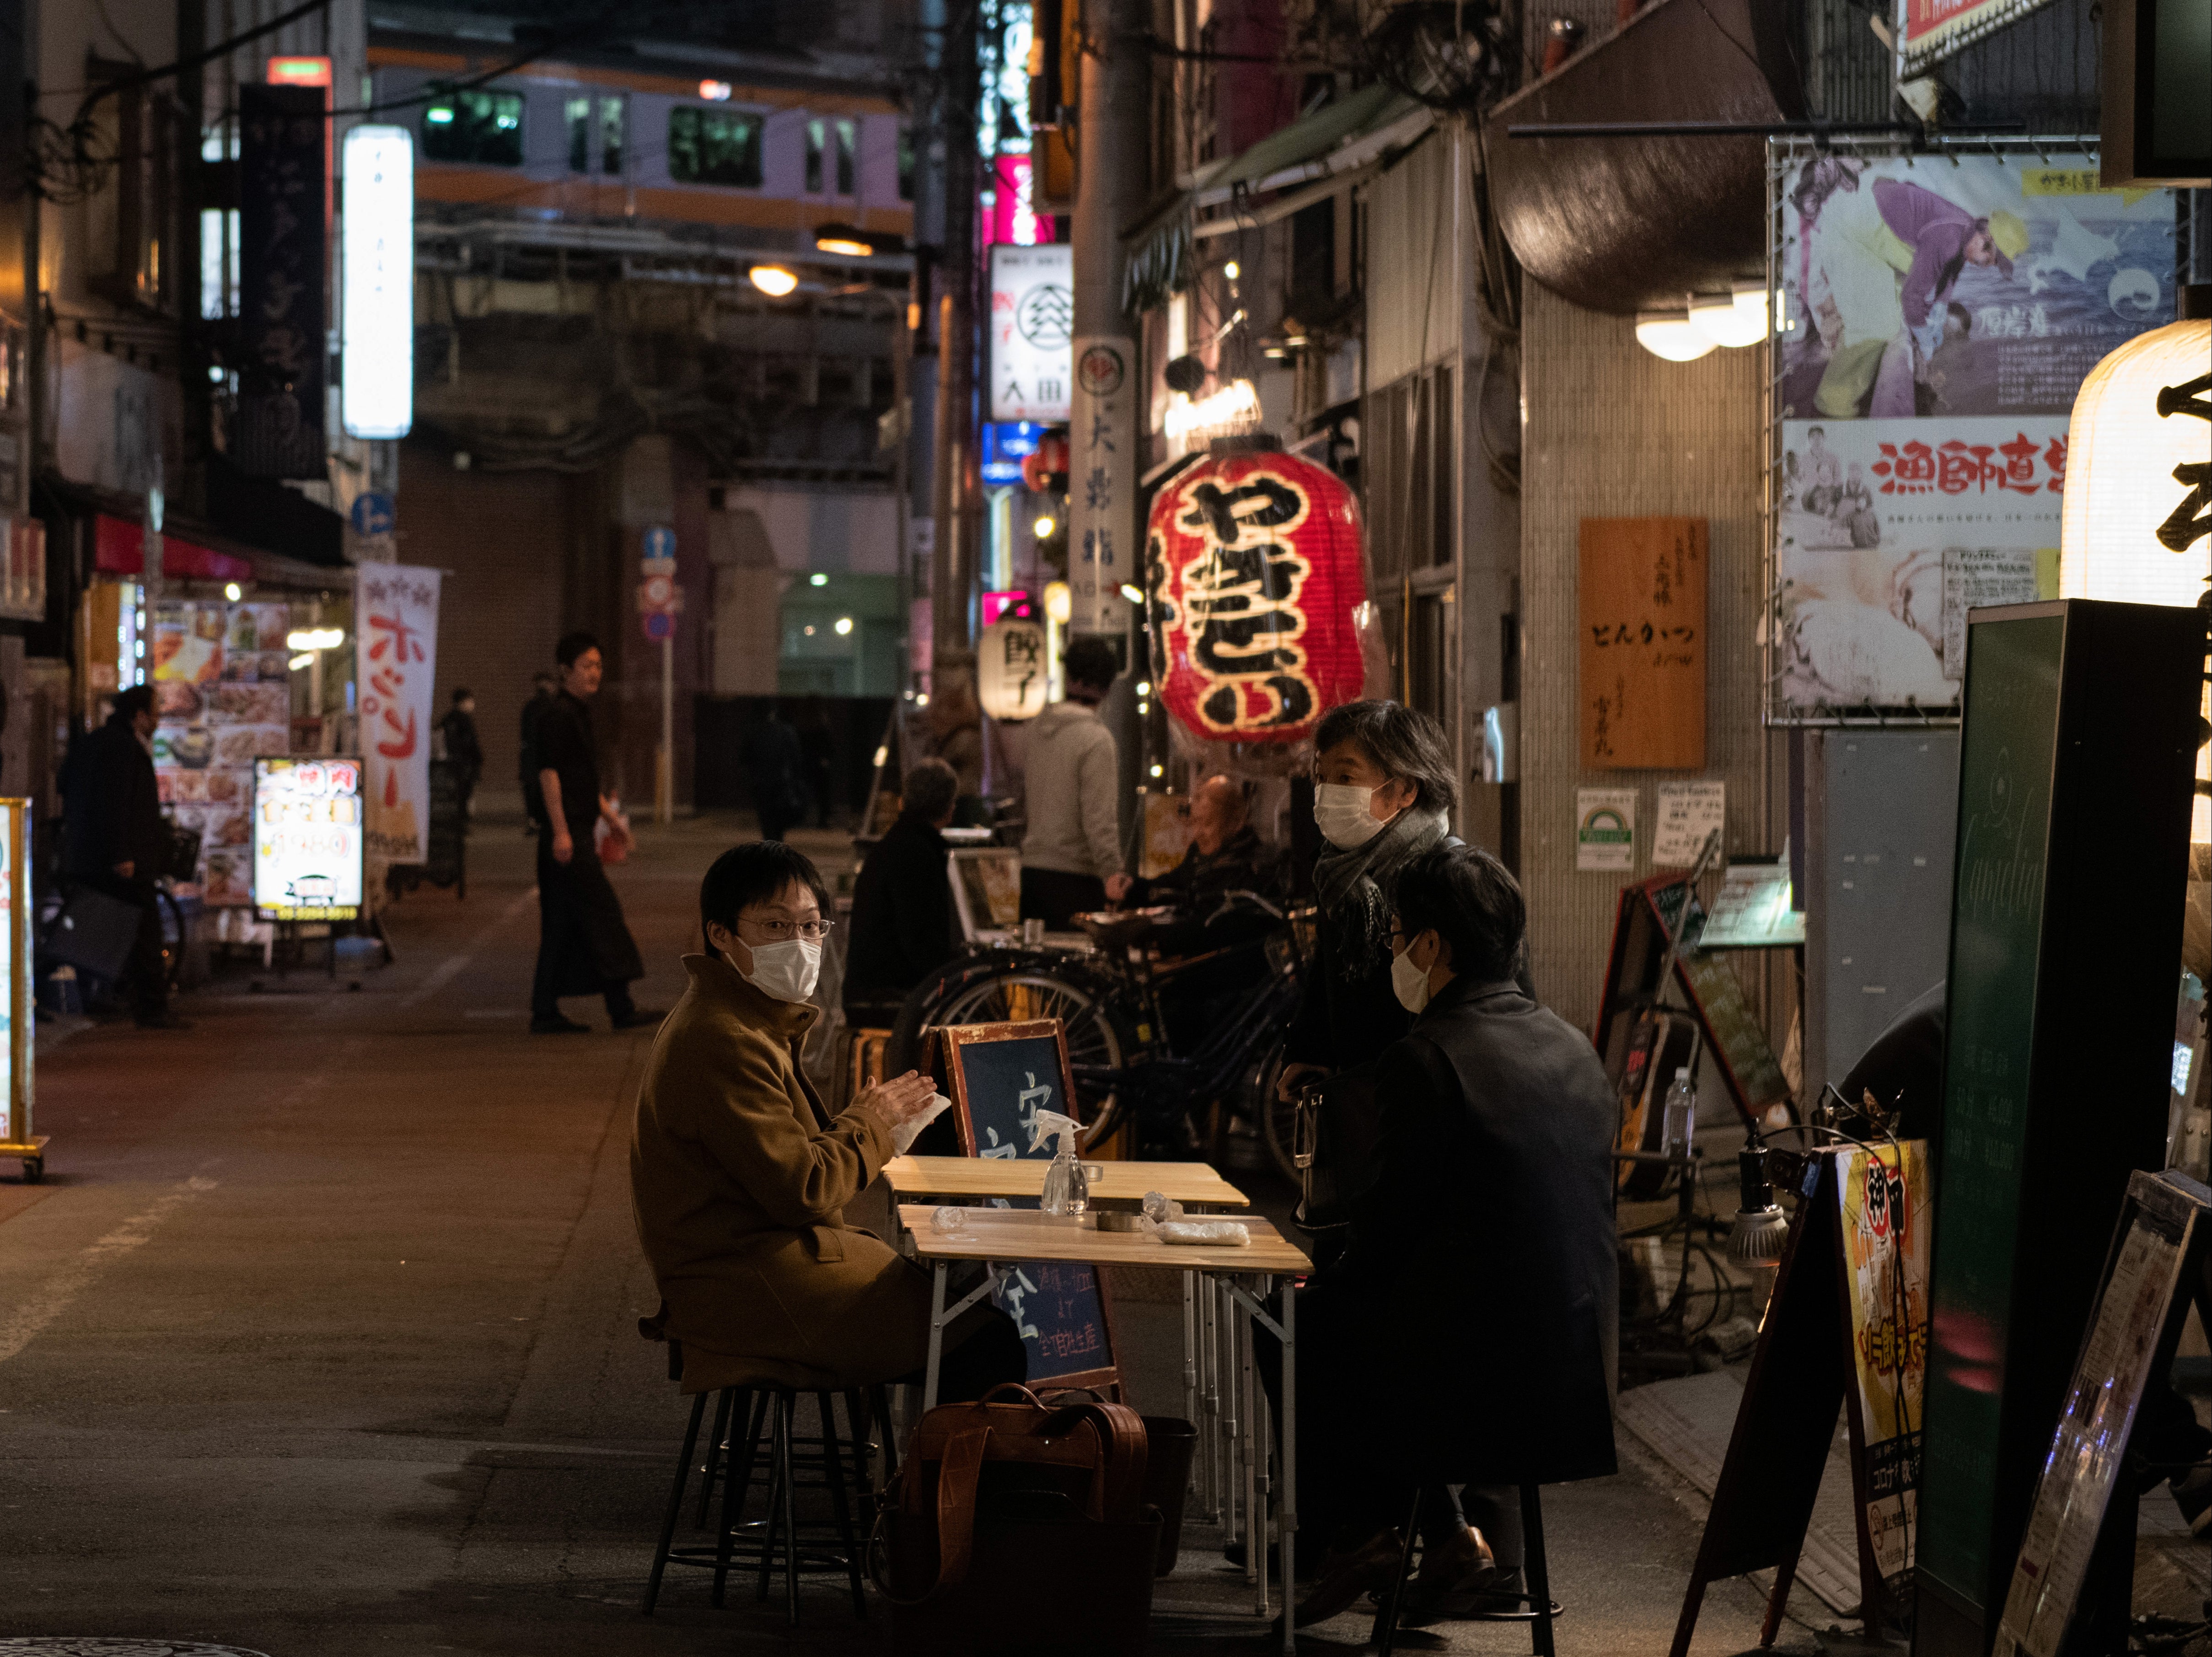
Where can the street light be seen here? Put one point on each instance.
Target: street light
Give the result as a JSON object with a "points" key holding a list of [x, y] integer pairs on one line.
{"points": [[773, 280], [1044, 526], [844, 626]]}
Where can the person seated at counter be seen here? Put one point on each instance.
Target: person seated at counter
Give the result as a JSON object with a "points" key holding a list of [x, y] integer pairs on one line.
{"points": [[1466, 1334], [739, 1178], [1225, 855], [904, 924]]}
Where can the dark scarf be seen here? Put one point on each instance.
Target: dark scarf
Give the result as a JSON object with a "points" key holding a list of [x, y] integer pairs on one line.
{"points": [[1355, 888]]}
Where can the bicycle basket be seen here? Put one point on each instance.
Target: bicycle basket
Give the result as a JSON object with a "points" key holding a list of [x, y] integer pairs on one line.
{"points": [[184, 860]]}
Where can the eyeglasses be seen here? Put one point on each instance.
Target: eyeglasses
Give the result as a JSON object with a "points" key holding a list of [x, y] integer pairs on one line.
{"points": [[784, 931]]}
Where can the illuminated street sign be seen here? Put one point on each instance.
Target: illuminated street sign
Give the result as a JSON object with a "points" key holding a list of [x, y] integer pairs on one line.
{"points": [[378, 316], [306, 839]]}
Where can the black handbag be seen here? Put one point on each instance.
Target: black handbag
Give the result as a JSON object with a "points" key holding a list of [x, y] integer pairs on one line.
{"points": [[1339, 1126], [94, 933]]}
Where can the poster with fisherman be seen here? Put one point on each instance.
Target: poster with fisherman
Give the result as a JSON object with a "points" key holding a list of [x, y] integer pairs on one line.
{"points": [[1938, 312]]}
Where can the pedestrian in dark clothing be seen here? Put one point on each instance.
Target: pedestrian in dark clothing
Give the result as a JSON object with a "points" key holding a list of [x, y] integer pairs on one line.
{"points": [[462, 745], [1466, 1332], [114, 840], [584, 945], [544, 689], [1224, 856], [773, 759], [903, 925]]}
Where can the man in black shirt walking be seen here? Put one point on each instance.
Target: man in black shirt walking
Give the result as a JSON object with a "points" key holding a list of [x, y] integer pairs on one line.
{"points": [[114, 839], [584, 945]]}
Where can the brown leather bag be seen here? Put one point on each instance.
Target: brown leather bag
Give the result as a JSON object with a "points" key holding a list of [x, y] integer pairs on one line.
{"points": [[1016, 1528]]}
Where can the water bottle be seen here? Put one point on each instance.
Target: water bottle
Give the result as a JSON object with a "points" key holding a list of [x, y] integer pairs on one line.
{"points": [[1682, 1113]]}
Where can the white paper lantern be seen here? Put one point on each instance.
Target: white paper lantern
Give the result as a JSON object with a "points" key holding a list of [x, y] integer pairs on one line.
{"points": [[2120, 457], [1010, 669]]}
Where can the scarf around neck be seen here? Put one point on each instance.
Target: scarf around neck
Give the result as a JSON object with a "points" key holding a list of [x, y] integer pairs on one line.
{"points": [[1355, 886]]}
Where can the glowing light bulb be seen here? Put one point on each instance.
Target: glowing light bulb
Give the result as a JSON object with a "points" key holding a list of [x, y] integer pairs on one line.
{"points": [[773, 280]]}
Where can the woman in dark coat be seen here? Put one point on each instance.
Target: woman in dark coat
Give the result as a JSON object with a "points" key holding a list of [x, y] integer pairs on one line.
{"points": [[1467, 1333]]}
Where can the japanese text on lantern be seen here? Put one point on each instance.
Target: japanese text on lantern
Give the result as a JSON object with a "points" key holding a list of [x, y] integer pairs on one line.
{"points": [[1642, 643]]}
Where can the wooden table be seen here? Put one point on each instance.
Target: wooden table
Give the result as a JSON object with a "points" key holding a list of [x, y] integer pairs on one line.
{"points": [[1194, 1185], [1026, 1234]]}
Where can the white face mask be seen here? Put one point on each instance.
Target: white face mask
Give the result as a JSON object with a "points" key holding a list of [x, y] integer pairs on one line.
{"points": [[785, 970], [1408, 983], [1340, 812]]}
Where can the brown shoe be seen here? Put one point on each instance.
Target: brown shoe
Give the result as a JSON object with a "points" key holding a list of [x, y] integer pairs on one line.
{"points": [[1369, 1568], [1460, 1565]]}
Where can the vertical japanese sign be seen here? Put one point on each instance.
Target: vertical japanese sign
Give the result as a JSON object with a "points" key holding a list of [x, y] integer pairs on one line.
{"points": [[377, 314], [278, 430], [1886, 1219], [1102, 493], [15, 958], [1935, 324], [1032, 310], [1642, 650], [395, 661]]}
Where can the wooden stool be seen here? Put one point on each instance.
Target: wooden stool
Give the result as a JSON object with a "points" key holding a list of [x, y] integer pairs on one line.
{"points": [[744, 1411], [1541, 1608]]}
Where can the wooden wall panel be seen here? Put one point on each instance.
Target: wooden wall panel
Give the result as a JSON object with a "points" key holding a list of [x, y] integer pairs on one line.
{"points": [[1642, 597]]}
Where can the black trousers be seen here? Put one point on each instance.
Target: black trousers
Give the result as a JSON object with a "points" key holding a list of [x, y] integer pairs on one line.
{"points": [[1055, 897], [991, 1356], [584, 945], [145, 971]]}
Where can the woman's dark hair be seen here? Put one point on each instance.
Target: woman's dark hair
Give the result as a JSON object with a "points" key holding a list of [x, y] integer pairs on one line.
{"points": [[1470, 900], [573, 645], [930, 789], [754, 873], [1405, 744], [1090, 661]]}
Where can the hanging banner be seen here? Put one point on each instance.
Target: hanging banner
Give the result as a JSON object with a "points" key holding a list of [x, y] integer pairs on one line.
{"points": [[1032, 310], [1929, 31], [1101, 485], [18, 914], [1935, 322], [395, 661]]}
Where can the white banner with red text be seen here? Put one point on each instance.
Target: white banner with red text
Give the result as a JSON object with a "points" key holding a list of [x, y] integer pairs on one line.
{"points": [[395, 664]]}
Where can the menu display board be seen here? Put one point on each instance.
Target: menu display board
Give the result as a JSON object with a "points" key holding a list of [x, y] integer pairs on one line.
{"points": [[1886, 1225], [222, 695], [15, 947], [306, 839]]}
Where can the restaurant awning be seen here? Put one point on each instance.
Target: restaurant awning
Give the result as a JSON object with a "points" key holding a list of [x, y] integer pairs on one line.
{"points": [[1313, 157]]}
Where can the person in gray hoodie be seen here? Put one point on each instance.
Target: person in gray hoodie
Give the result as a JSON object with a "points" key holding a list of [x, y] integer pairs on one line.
{"points": [[1072, 854]]}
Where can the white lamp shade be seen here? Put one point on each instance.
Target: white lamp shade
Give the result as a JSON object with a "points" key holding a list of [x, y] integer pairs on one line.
{"points": [[2120, 457], [1672, 335], [1734, 318], [1010, 669]]}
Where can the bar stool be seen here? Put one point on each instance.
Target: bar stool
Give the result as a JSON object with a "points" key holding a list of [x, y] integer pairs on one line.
{"points": [[744, 1411], [1541, 1610]]}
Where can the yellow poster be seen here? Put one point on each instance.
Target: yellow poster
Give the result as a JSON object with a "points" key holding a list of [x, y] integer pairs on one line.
{"points": [[1887, 1222]]}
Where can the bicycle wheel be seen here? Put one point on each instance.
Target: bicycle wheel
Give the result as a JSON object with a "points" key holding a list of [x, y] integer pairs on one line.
{"points": [[1278, 1121], [1098, 1032]]}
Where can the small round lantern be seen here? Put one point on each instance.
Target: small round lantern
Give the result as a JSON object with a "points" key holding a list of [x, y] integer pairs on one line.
{"points": [[1044, 471], [1010, 668], [2132, 530], [1253, 567]]}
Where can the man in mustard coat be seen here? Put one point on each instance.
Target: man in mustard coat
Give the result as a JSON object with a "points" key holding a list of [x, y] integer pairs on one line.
{"points": [[739, 1178]]}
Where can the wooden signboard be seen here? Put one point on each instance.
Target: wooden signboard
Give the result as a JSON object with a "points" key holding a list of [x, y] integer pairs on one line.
{"points": [[1847, 1325], [1643, 643], [2077, 762], [1707, 989], [2076, 1560], [998, 1077]]}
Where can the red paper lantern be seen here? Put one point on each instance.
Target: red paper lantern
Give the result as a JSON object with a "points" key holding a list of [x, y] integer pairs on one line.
{"points": [[1253, 562], [1045, 467]]}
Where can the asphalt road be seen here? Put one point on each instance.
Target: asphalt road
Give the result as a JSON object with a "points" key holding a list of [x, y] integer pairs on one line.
{"points": [[321, 1337]]}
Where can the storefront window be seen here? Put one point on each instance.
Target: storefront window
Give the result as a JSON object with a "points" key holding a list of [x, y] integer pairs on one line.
{"points": [[714, 146], [481, 128]]}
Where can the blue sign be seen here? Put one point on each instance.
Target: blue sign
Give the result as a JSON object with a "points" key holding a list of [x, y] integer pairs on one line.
{"points": [[1006, 443], [659, 542], [373, 513]]}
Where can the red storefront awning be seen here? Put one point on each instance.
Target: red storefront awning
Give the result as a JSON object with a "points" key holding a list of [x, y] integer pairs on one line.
{"points": [[119, 549]]}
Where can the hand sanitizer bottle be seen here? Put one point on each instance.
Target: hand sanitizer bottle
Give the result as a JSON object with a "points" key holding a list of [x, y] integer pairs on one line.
{"points": [[1066, 1187], [1682, 1113]]}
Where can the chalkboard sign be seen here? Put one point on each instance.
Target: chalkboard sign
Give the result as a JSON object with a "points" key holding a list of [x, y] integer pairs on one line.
{"points": [[999, 1076], [447, 860], [2076, 768]]}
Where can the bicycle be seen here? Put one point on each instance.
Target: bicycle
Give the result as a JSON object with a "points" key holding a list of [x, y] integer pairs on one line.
{"points": [[1119, 1006]]}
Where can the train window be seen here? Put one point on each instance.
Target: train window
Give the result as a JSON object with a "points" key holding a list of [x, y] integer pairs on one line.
{"points": [[906, 163], [826, 139], [579, 112], [714, 146], [612, 121], [484, 128]]}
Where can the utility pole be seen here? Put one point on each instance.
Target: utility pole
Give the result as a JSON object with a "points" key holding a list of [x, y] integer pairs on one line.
{"points": [[1112, 179]]}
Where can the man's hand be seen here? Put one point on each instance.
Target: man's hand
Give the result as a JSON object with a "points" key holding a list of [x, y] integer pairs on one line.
{"points": [[563, 847], [897, 1100], [126, 868], [1117, 887], [1286, 1086]]}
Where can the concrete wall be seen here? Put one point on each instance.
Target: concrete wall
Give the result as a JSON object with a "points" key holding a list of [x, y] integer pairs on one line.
{"points": [[1613, 431]]}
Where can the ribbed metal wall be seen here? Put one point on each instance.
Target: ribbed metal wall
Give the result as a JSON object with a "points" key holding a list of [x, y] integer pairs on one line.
{"points": [[1613, 431], [1412, 301]]}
